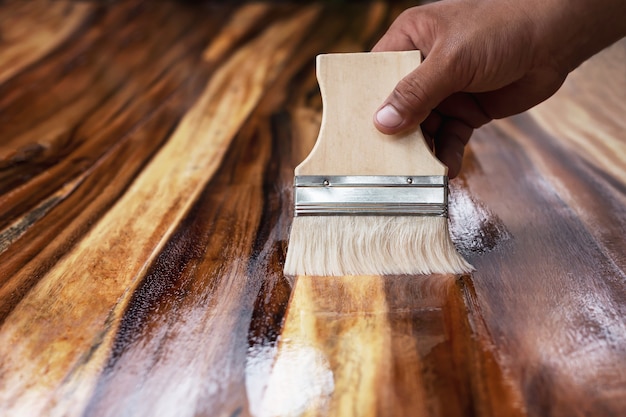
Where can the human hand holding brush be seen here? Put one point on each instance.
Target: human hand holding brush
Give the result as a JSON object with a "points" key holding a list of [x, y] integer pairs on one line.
{"points": [[487, 60], [365, 204]]}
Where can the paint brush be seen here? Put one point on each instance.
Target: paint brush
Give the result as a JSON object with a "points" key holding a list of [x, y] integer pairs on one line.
{"points": [[368, 203]]}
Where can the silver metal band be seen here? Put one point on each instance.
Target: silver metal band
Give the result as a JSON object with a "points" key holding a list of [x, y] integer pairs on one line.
{"points": [[368, 195]]}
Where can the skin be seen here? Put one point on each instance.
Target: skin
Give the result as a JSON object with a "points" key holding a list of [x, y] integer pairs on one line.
{"points": [[488, 59]]}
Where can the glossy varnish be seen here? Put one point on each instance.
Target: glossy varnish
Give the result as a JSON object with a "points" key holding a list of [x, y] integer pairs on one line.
{"points": [[146, 161]]}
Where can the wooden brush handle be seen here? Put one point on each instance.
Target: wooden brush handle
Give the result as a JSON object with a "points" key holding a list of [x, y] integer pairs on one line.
{"points": [[353, 86]]}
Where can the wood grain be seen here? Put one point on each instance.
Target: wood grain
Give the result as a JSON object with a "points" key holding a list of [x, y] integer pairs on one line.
{"points": [[146, 159], [22, 46]]}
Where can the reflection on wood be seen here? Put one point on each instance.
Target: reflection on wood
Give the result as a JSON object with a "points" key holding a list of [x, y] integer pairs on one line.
{"points": [[408, 339], [146, 158], [560, 324]]}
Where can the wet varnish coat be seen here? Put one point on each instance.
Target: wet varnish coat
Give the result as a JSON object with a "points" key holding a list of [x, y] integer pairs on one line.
{"points": [[146, 159]]}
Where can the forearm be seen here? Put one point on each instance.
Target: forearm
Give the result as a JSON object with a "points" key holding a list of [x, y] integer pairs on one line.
{"points": [[574, 30]]}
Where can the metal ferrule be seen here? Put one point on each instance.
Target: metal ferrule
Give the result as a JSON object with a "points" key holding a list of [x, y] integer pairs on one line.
{"points": [[367, 195]]}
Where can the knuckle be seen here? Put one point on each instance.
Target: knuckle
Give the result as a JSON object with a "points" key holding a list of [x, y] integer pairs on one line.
{"points": [[408, 15], [411, 94]]}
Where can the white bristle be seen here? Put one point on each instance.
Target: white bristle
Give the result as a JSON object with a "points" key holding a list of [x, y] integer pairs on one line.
{"points": [[372, 245]]}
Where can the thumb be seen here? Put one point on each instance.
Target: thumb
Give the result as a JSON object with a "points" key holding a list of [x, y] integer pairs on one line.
{"points": [[417, 94]]}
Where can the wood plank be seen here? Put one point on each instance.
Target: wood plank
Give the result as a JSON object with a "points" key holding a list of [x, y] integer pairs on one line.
{"points": [[145, 204], [133, 231], [87, 178], [553, 292]]}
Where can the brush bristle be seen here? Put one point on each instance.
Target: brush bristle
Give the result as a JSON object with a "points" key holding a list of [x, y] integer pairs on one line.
{"points": [[372, 245]]}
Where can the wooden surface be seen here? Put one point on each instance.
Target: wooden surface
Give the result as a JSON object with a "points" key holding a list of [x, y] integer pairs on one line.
{"points": [[146, 157]]}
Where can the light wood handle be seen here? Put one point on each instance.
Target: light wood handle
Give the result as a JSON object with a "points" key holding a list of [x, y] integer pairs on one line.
{"points": [[353, 86]]}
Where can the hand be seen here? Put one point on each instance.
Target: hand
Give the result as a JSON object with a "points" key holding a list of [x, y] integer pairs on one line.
{"points": [[486, 60]]}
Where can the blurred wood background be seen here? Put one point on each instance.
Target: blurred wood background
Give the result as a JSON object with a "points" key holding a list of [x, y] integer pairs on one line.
{"points": [[146, 159]]}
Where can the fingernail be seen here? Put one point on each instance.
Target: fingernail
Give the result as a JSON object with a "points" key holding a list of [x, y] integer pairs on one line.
{"points": [[388, 116]]}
